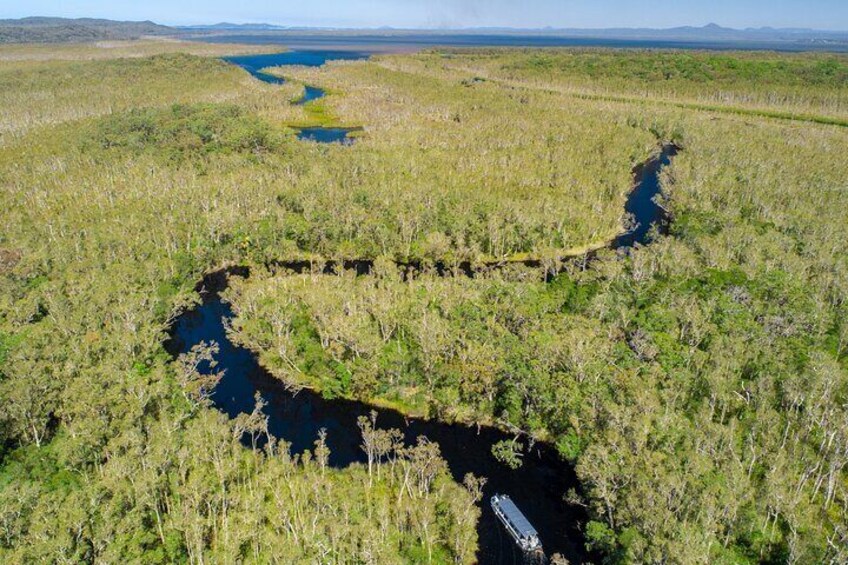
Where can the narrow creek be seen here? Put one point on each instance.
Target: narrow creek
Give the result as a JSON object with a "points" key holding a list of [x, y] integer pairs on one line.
{"points": [[310, 93], [254, 64], [537, 487]]}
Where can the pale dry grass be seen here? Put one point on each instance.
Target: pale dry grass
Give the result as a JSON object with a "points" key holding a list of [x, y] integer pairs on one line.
{"points": [[48, 85], [147, 47]]}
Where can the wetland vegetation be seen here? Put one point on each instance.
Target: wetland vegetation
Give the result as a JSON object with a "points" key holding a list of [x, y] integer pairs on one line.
{"points": [[697, 384]]}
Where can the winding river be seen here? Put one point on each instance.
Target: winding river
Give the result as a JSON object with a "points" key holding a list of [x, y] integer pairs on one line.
{"points": [[255, 65], [537, 487]]}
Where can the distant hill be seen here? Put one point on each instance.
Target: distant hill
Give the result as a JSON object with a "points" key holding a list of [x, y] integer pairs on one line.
{"points": [[710, 32], [61, 30]]}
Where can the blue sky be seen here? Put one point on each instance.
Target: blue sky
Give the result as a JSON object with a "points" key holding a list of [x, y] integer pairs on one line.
{"points": [[820, 14]]}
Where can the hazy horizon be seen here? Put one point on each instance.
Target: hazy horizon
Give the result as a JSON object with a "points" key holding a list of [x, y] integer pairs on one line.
{"points": [[825, 15]]}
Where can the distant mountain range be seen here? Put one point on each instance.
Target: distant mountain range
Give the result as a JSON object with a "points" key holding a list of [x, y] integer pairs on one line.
{"points": [[711, 33], [38, 29], [62, 30]]}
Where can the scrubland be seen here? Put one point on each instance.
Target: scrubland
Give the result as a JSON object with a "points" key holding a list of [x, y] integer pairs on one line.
{"points": [[698, 383]]}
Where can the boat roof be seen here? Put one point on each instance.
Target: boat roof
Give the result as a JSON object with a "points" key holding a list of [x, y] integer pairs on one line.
{"points": [[518, 520]]}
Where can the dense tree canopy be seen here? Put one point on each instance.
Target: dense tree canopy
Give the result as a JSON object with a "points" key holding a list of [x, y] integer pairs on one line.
{"points": [[698, 383]]}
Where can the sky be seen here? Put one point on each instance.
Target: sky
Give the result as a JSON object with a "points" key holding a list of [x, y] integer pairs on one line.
{"points": [[818, 14]]}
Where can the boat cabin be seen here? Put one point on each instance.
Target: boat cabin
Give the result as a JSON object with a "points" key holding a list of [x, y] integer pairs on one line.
{"points": [[516, 523]]}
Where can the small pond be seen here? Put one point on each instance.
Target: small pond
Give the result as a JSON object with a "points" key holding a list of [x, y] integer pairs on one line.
{"points": [[327, 135]]}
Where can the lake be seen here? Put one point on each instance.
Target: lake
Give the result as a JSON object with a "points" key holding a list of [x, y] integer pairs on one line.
{"points": [[372, 42]]}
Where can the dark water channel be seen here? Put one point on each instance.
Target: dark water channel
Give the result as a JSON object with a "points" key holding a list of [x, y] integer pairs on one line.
{"points": [[642, 207], [537, 487]]}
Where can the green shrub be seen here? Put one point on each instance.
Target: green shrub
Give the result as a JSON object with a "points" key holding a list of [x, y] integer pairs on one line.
{"points": [[188, 131]]}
